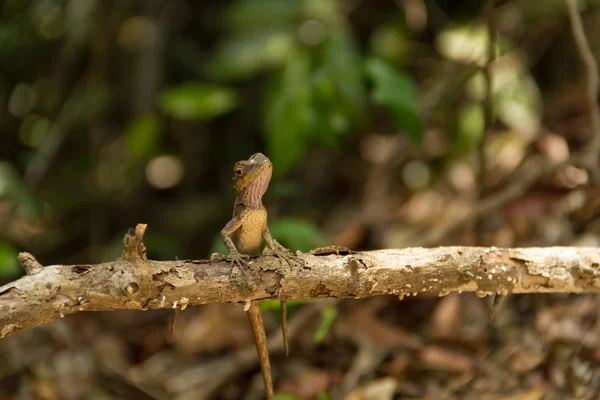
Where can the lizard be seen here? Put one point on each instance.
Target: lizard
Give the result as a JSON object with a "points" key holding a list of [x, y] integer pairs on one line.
{"points": [[243, 236]]}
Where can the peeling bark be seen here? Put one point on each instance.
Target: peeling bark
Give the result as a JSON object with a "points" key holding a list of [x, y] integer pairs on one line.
{"points": [[133, 282]]}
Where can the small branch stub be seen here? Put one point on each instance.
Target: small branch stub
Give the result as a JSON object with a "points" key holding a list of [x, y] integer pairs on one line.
{"points": [[134, 249], [29, 263]]}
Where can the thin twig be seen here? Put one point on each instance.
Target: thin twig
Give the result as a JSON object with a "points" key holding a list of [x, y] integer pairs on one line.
{"points": [[591, 155], [487, 110]]}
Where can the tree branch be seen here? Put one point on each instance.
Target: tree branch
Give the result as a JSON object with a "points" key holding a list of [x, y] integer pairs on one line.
{"points": [[133, 282]]}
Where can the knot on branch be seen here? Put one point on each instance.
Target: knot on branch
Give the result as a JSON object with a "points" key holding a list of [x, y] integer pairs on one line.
{"points": [[134, 249], [29, 263]]}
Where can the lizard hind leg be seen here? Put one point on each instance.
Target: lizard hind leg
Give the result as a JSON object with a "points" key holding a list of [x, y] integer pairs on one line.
{"points": [[260, 339]]}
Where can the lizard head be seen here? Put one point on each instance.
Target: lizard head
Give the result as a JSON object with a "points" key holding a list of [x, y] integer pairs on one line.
{"points": [[252, 176]]}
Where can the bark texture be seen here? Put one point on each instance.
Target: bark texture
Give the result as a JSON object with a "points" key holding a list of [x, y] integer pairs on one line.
{"points": [[134, 282]]}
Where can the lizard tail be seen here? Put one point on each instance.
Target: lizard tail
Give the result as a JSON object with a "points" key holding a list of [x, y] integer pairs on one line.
{"points": [[284, 331], [174, 319], [260, 338]]}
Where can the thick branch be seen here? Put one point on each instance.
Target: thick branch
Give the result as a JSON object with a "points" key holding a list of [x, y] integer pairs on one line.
{"points": [[135, 283]]}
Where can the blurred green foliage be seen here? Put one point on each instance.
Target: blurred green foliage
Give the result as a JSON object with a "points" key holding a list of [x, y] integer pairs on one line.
{"points": [[328, 317], [197, 101], [318, 89], [390, 42], [324, 395], [297, 234], [284, 396], [275, 305], [9, 266], [290, 116], [398, 93], [470, 123], [14, 188], [142, 137]]}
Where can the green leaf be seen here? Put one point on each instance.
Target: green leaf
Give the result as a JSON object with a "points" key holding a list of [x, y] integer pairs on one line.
{"points": [[391, 42], [470, 123], [285, 396], [336, 87], [517, 100], [270, 305], [197, 101], [396, 91], [240, 57], [275, 305], [343, 62], [328, 317], [260, 14], [13, 187], [34, 130], [142, 135], [467, 43], [298, 234], [290, 116], [531, 10], [9, 266], [318, 106], [218, 246], [334, 118], [324, 395], [161, 245], [342, 56]]}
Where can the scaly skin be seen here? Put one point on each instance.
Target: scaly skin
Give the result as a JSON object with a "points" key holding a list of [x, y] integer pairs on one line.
{"points": [[243, 236]]}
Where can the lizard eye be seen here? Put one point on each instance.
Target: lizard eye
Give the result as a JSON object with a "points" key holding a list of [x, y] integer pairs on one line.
{"points": [[239, 171]]}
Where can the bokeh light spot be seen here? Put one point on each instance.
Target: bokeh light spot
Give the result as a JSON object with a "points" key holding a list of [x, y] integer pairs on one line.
{"points": [[164, 172], [22, 99], [312, 32], [416, 174]]}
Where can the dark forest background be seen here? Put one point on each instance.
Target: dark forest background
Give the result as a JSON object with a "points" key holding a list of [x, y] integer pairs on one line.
{"points": [[390, 124]]}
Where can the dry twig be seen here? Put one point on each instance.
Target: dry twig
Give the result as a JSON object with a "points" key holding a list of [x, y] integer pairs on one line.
{"points": [[488, 112], [487, 100], [591, 155]]}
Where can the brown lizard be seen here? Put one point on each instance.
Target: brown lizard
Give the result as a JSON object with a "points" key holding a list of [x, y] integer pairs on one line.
{"points": [[243, 236]]}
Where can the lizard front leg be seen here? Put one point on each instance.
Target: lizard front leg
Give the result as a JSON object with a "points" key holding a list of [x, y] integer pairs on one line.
{"points": [[236, 257]]}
